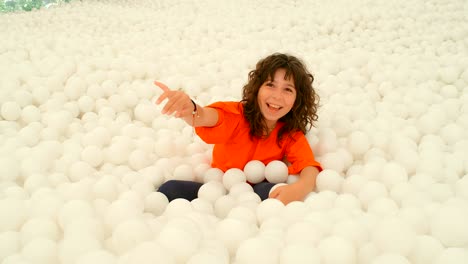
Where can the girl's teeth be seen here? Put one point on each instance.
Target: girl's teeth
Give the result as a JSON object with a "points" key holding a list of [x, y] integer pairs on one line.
{"points": [[274, 106]]}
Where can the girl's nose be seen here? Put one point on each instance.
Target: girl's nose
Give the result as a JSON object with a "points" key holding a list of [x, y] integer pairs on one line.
{"points": [[276, 94]]}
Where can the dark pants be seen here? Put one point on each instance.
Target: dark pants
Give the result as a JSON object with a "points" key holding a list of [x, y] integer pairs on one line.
{"points": [[188, 190]]}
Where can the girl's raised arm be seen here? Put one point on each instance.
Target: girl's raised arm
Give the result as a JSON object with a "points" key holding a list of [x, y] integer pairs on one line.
{"points": [[180, 104]]}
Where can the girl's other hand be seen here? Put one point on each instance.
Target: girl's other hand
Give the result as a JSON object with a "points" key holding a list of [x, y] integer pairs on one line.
{"points": [[289, 193], [178, 102]]}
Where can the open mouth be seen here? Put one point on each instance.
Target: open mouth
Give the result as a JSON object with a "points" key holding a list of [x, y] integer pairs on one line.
{"points": [[273, 107]]}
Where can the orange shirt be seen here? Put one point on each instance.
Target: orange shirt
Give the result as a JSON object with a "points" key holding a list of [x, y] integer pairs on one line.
{"points": [[233, 146]]}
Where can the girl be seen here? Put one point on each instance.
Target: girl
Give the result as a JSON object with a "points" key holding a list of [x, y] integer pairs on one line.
{"points": [[278, 107]]}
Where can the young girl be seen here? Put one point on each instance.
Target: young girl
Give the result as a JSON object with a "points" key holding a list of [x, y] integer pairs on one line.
{"points": [[278, 107]]}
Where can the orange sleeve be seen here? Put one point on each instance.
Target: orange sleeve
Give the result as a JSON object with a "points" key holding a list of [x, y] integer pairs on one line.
{"points": [[300, 154], [228, 120]]}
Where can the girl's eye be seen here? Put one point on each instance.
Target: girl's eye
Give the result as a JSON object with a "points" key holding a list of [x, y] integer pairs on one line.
{"points": [[289, 90], [269, 84]]}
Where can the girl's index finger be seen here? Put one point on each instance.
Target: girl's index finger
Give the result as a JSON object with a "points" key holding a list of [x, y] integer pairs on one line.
{"points": [[165, 90], [162, 86]]}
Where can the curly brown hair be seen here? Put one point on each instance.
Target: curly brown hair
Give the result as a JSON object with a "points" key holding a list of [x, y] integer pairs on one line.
{"points": [[304, 111]]}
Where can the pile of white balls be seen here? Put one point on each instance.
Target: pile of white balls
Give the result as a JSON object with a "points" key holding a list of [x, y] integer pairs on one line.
{"points": [[83, 147]]}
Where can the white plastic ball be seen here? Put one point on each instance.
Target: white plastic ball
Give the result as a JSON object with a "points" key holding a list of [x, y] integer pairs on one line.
{"points": [[240, 188], [11, 111], [98, 136], [383, 206], [244, 214], [426, 249], [10, 243], [211, 191], [358, 143], [202, 206], [351, 230], [389, 258], [146, 253], [292, 179], [248, 199], [80, 170], [232, 232], [71, 248], [85, 225], [393, 173], [15, 210], [92, 155], [327, 142], [329, 180], [449, 91], [74, 88], [178, 207], [184, 172], [329, 246], [254, 171], [353, 183], [367, 253], [299, 253], [164, 148], [233, 176], [86, 103], [118, 153], [204, 258], [408, 158], [461, 187], [15, 192], [41, 251], [294, 211], [145, 112], [269, 208], [74, 209], [30, 113], [139, 159], [333, 161], [9, 168], [449, 74], [223, 205], [213, 174], [257, 250], [302, 232], [440, 192], [373, 169], [156, 203], [39, 227], [119, 211], [46, 206], [452, 133], [417, 218], [130, 233], [393, 235], [156, 175], [348, 201], [40, 94], [371, 191], [447, 225], [181, 241], [105, 188], [200, 170], [30, 135], [452, 256], [98, 256], [276, 172]]}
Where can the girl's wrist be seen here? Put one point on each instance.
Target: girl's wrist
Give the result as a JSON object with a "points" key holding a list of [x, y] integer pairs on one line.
{"points": [[195, 110]]}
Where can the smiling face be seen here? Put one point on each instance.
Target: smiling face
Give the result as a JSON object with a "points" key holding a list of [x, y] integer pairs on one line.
{"points": [[276, 97]]}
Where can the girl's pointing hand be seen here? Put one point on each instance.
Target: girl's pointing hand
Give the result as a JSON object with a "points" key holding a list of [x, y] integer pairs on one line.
{"points": [[178, 102]]}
